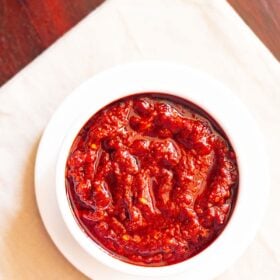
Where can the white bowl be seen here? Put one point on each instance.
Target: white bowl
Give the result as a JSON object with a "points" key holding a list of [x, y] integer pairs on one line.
{"points": [[238, 125]]}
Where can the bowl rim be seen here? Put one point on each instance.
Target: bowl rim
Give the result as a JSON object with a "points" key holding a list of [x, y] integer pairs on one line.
{"points": [[231, 115]]}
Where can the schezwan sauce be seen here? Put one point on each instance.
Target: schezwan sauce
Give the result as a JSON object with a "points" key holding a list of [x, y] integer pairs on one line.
{"points": [[152, 179]]}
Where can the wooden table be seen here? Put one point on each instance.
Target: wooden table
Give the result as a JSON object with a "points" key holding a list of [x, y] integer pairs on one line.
{"points": [[27, 27]]}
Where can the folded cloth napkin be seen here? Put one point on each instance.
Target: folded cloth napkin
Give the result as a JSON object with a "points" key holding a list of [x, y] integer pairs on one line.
{"points": [[204, 34]]}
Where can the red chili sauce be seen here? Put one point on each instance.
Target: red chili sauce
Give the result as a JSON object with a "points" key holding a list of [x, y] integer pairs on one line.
{"points": [[152, 179]]}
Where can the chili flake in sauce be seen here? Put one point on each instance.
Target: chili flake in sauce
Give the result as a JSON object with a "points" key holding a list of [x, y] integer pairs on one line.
{"points": [[152, 179]]}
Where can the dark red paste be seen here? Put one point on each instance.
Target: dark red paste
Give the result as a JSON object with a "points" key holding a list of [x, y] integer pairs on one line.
{"points": [[152, 179]]}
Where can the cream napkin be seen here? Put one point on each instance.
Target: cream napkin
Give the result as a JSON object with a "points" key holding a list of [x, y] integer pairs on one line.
{"points": [[205, 34]]}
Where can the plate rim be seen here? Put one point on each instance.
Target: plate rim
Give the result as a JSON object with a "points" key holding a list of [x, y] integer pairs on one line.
{"points": [[200, 76]]}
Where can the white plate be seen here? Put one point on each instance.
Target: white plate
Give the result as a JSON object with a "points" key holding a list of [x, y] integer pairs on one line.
{"points": [[68, 113]]}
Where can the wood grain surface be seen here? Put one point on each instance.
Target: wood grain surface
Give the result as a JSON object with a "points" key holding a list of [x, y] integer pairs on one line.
{"points": [[27, 27], [263, 16]]}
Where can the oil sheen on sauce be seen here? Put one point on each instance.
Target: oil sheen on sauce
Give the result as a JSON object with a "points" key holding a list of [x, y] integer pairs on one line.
{"points": [[152, 179]]}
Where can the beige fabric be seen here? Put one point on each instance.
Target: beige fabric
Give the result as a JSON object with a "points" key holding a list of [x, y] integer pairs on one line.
{"points": [[204, 34]]}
